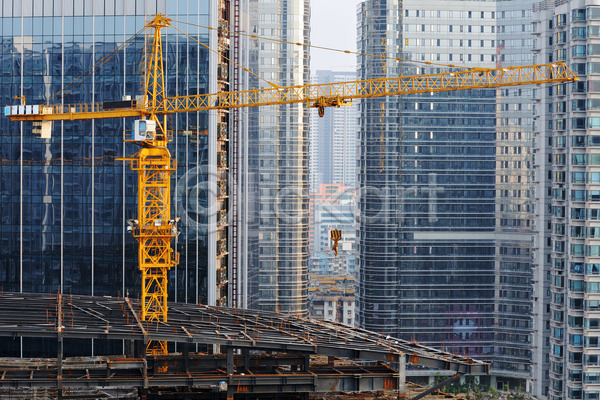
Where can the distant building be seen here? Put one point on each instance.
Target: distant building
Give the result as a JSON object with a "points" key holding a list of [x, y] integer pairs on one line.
{"points": [[333, 139], [334, 216], [329, 194], [327, 264], [319, 264], [331, 294], [337, 307]]}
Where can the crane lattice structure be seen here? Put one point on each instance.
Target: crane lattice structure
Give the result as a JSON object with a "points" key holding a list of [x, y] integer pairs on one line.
{"points": [[154, 227]]}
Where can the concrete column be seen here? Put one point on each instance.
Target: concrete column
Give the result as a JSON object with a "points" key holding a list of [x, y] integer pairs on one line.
{"points": [[401, 376], [230, 361], [59, 357], [186, 356], [230, 370], [493, 382], [246, 355], [306, 362]]}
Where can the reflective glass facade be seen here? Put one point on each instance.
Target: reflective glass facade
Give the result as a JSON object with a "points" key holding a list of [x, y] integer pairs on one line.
{"points": [[379, 168], [514, 202], [444, 193], [278, 162], [64, 201]]}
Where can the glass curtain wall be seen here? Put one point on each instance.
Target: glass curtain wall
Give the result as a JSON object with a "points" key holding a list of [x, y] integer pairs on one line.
{"points": [[443, 255], [278, 162], [64, 200]]}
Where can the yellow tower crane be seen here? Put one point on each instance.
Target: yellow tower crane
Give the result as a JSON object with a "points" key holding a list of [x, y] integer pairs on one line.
{"points": [[154, 227]]}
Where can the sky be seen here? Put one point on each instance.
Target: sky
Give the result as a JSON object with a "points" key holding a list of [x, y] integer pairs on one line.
{"points": [[333, 24]]}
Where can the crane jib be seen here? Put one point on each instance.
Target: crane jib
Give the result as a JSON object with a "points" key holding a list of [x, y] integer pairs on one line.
{"points": [[318, 96]]}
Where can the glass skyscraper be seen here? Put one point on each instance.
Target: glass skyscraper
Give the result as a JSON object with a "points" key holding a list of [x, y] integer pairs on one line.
{"points": [[515, 303], [278, 161], [64, 200], [436, 262]]}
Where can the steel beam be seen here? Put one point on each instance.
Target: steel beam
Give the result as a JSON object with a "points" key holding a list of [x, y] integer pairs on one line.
{"points": [[166, 372], [436, 387], [34, 315]]}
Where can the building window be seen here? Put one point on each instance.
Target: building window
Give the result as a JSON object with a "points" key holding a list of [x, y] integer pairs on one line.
{"points": [[578, 51], [592, 269], [578, 14], [593, 13]]}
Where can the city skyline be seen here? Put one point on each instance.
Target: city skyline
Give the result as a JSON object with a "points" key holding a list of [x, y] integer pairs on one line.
{"points": [[476, 216]]}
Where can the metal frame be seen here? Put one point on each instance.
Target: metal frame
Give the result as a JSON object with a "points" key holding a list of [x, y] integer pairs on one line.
{"points": [[260, 374], [37, 315]]}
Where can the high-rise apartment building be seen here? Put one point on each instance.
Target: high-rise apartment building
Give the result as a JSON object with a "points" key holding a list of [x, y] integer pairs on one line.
{"points": [[333, 139], [567, 162], [443, 253], [64, 200], [278, 161]]}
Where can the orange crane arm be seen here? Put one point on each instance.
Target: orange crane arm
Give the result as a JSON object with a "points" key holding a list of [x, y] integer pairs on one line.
{"points": [[319, 96]]}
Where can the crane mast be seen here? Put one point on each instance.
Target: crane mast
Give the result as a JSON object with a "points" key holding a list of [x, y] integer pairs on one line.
{"points": [[155, 228]]}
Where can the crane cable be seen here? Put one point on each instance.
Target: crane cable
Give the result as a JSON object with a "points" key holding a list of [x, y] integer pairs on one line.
{"points": [[86, 74], [63, 92], [381, 56], [226, 58], [83, 76]]}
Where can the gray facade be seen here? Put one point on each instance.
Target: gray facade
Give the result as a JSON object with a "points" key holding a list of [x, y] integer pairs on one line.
{"points": [[514, 324]]}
